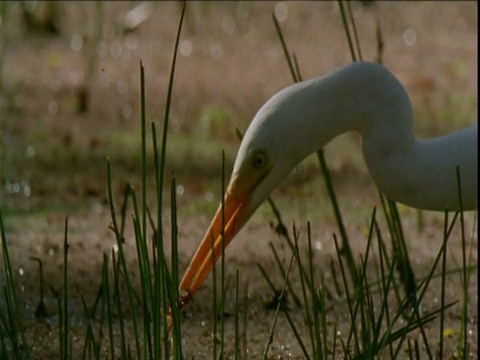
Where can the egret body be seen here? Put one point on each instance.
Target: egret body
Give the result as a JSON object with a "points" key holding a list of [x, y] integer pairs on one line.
{"points": [[303, 118]]}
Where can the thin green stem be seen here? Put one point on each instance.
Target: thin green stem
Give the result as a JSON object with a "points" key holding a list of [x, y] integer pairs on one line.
{"points": [[64, 302], [277, 311], [347, 31]]}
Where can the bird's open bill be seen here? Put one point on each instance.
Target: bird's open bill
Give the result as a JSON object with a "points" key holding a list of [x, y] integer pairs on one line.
{"points": [[227, 221]]}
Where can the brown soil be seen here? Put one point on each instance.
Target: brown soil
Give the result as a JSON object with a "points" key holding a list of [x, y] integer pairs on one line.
{"points": [[64, 109]]}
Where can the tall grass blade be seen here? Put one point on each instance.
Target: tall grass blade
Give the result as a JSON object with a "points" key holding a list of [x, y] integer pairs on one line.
{"points": [[367, 309], [462, 342], [386, 283], [161, 302], [346, 250], [168, 99], [266, 276], [11, 321], [90, 342], [285, 49], [442, 291], [245, 322], [222, 267], [143, 137], [280, 228], [347, 31], [275, 318], [177, 338], [319, 305], [144, 273], [320, 309], [296, 300], [352, 313], [296, 334], [237, 317], [106, 293], [380, 44], [41, 309], [151, 296], [118, 301], [64, 348], [306, 305], [406, 272], [147, 298], [405, 268], [142, 214], [335, 280], [388, 262], [297, 67], [354, 29], [159, 307], [214, 302], [421, 290]]}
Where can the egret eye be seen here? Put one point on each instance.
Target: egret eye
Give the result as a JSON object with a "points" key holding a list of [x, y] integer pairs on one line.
{"points": [[259, 159]]}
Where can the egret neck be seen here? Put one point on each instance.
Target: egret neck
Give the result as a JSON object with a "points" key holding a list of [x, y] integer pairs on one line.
{"points": [[362, 97]]}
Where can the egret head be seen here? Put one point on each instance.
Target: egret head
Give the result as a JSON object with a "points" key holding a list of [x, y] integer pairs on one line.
{"points": [[261, 164], [266, 155]]}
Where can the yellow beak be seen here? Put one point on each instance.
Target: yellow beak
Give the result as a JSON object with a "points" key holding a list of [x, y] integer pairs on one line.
{"points": [[224, 226], [228, 221]]}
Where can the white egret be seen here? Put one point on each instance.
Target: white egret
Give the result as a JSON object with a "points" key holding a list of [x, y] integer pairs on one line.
{"points": [[363, 97]]}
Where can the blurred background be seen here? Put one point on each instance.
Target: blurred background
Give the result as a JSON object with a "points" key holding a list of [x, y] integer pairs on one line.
{"points": [[70, 84]]}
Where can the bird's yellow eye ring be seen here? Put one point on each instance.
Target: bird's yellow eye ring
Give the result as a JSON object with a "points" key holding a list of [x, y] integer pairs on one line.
{"points": [[259, 159]]}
